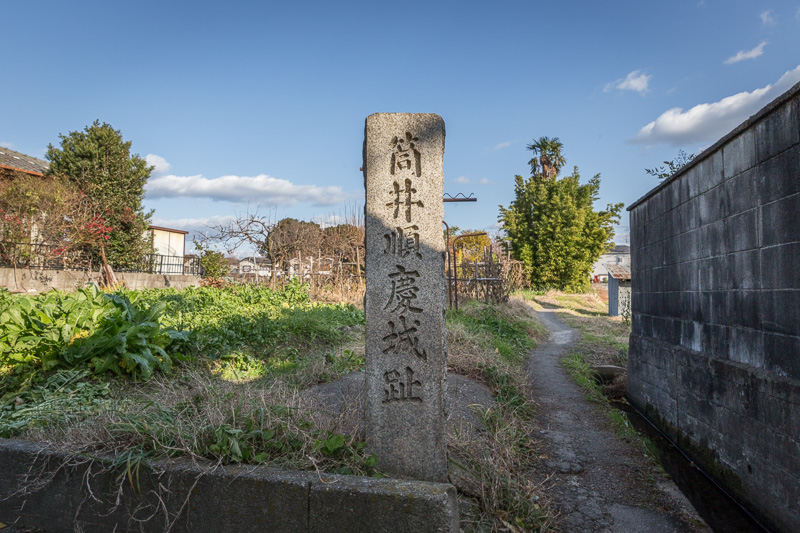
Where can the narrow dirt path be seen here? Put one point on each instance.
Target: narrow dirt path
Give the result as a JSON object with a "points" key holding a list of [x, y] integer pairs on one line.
{"points": [[599, 482]]}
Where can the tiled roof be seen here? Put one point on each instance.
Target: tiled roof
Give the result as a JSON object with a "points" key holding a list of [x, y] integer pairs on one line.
{"points": [[17, 161], [621, 272]]}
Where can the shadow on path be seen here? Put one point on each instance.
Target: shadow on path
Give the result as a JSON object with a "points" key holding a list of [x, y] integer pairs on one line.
{"points": [[600, 483]]}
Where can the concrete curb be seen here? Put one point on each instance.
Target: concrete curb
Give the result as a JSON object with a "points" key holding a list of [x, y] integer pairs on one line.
{"points": [[178, 496]]}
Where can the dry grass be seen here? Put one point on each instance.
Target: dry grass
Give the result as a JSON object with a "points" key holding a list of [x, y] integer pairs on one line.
{"points": [[218, 412], [212, 422], [604, 339], [470, 348], [490, 344]]}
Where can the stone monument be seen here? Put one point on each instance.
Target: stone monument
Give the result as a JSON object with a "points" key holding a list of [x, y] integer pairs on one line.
{"points": [[406, 354]]}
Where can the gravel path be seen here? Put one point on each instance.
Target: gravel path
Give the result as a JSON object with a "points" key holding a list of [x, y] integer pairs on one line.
{"points": [[598, 482]]}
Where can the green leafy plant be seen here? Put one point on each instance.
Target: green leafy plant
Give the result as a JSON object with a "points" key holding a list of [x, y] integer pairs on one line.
{"points": [[69, 330], [128, 340], [213, 263], [35, 330]]}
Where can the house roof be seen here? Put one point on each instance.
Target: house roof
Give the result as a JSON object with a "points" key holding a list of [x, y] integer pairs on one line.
{"points": [[17, 161], [620, 272], [261, 261], [168, 229]]}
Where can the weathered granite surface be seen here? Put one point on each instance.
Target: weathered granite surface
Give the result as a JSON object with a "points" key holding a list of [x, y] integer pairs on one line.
{"points": [[405, 294]]}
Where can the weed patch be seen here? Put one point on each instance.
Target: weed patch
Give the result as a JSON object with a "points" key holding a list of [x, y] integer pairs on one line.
{"points": [[225, 386], [491, 344]]}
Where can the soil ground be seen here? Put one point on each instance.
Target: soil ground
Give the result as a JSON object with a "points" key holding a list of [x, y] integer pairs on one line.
{"points": [[598, 482]]}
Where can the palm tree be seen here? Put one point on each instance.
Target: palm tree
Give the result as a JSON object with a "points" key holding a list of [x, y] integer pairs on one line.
{"points": [[547, 153]]}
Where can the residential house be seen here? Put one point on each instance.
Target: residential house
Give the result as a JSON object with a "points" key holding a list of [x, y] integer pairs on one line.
{"points": [[619, 255], [11, 161], [168, 250], [258, 267]]}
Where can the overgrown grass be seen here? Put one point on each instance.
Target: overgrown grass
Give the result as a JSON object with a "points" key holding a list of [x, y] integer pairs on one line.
{"points": [[240, 360], [482, 334], [581, 372], [244, 351], [491, 343]]}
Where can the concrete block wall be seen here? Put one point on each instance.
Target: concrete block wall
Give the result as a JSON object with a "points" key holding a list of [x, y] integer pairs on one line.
{"points": [[27, 280], [715, 349]]}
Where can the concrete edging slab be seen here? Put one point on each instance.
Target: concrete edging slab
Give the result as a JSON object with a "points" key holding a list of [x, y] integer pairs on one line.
{"points": [[179, 496]]}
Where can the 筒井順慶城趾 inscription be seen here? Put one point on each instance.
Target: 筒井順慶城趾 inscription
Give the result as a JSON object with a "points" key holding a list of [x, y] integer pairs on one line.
{"points": [[405, 294]]}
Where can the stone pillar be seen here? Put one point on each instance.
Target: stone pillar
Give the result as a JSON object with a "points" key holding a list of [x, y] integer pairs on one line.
{"points": [[406, 353]]}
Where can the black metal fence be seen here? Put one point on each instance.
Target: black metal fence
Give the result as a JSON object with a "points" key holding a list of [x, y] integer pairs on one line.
{"points": [[483, 278], [53, 257], [164, 264]]}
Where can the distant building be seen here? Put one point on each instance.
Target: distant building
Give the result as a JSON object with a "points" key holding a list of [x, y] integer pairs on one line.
{"points": [[619, 255], [256, 267], [619, 289], [168, 250], [233, 266]]}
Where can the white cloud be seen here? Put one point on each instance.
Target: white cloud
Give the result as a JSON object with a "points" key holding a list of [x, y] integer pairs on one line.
{"points": [[329, 220], [494, 230], [461, 179], [6, 144], [741, 55], [485, 181], [635, 81], [500, 146], [160, 164], [261, 189], [767, 19], [197, 225], [705, 123]]}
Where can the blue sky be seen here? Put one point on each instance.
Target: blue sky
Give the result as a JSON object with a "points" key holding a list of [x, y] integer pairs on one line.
{"points": [[248, 104]]}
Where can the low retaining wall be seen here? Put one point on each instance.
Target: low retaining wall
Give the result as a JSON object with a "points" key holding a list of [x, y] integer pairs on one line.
{"points": [[177, 496], [33, 281]]}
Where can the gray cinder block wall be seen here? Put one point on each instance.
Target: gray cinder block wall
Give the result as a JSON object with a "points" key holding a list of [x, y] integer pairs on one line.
{"points": [[715, 349], [33, 280]]}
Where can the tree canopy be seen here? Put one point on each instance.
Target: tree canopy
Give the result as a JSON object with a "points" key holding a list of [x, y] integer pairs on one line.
{"points": [[290, 238], [552, 226], [470, 245], [40, 210], [112, 181]]}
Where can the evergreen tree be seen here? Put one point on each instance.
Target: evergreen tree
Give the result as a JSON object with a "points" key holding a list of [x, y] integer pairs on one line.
{"points": [[112, 180], [551, 224]]}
